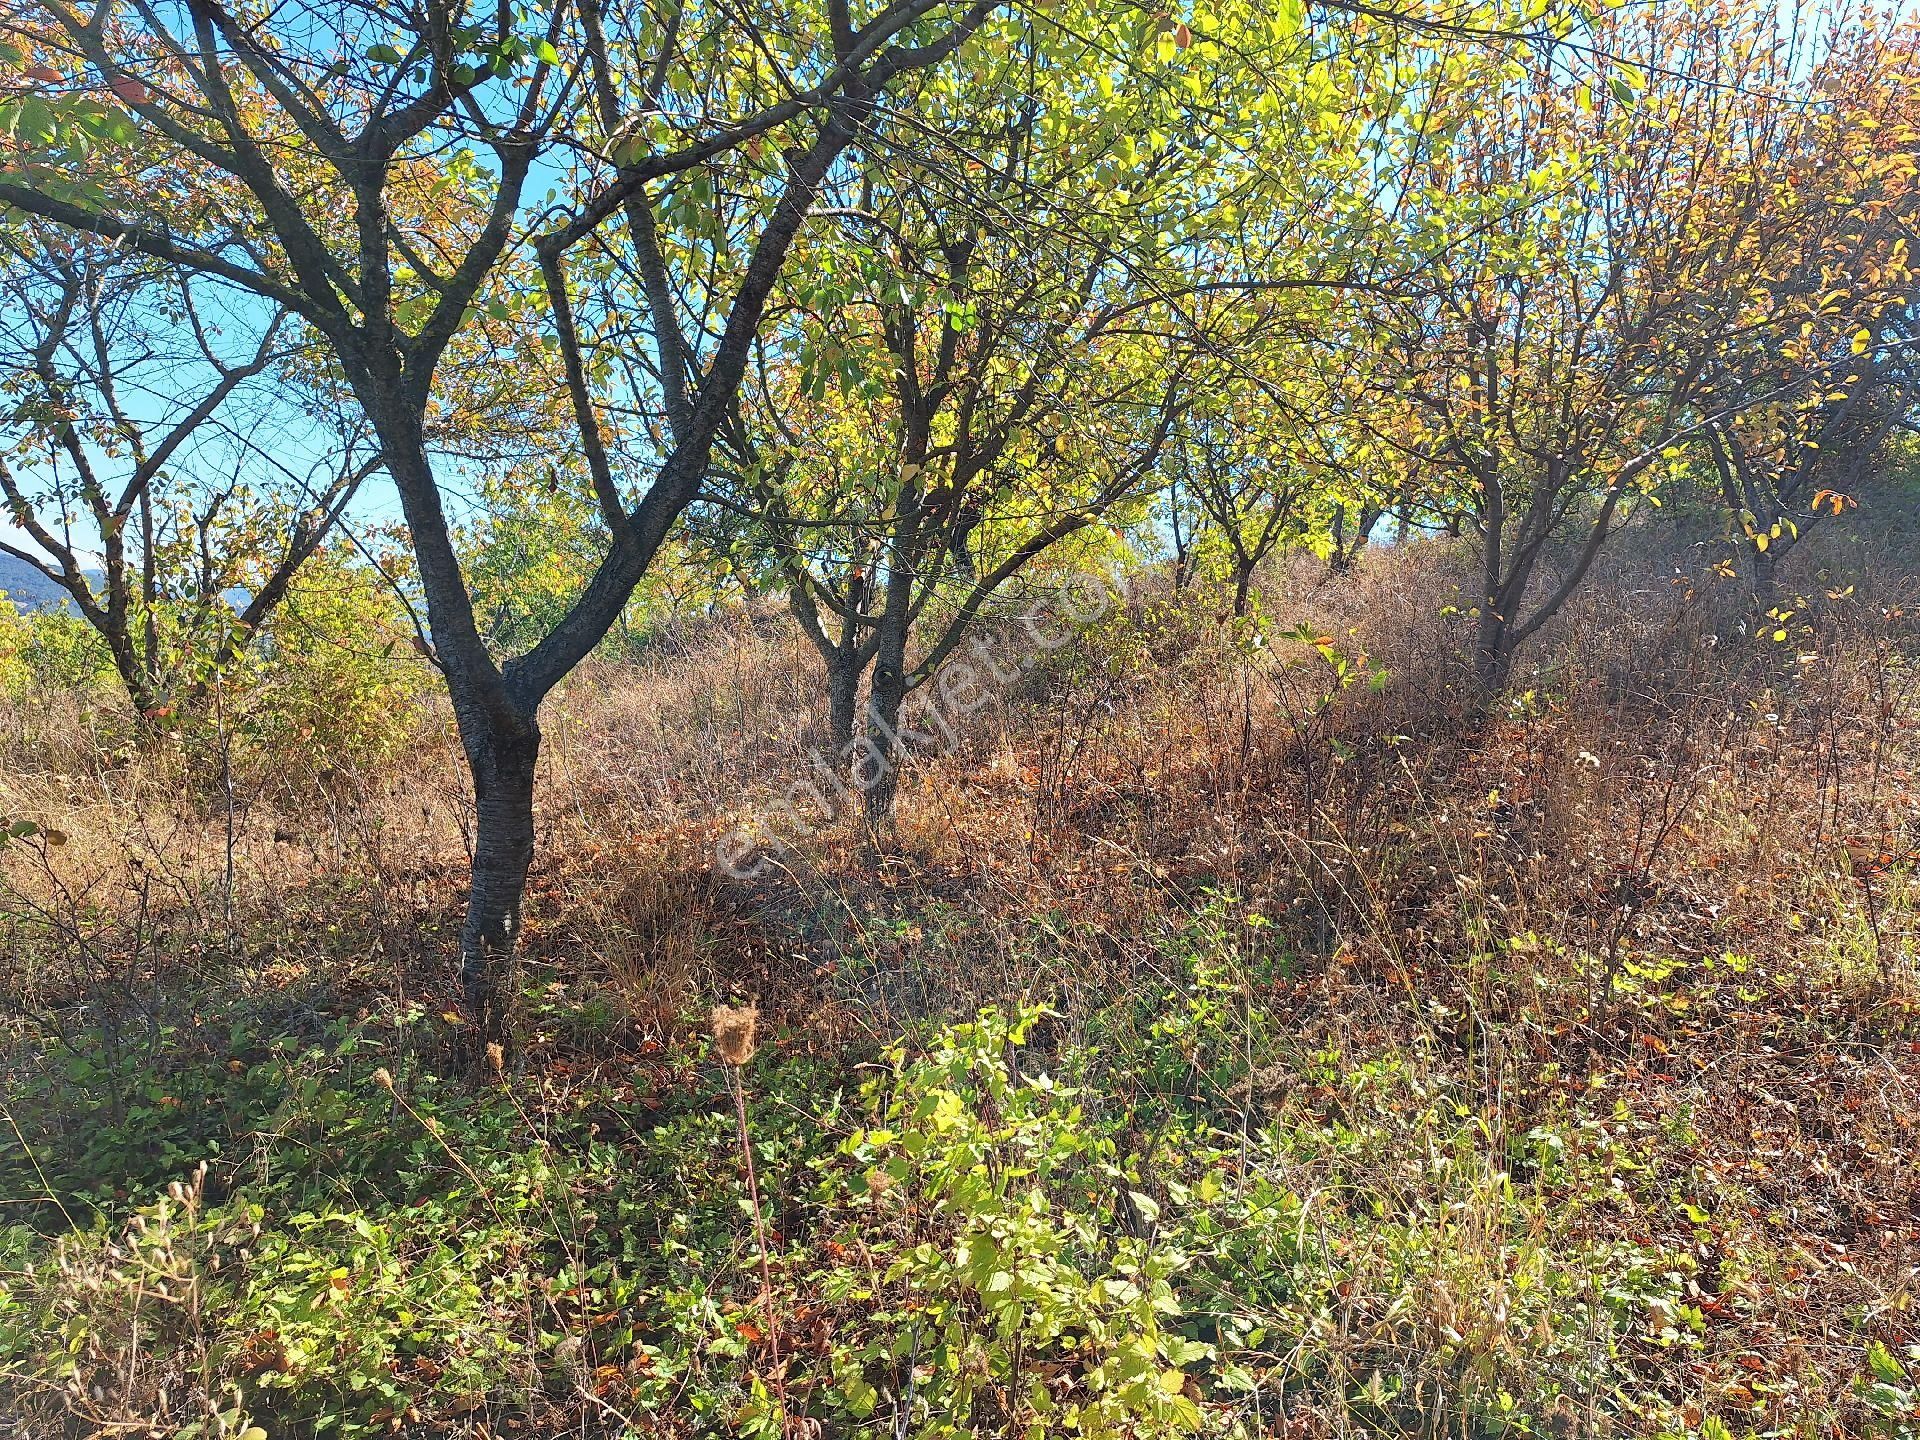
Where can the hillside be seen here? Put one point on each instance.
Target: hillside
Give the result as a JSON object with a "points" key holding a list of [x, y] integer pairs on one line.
{"points": [[960, 720], [1268, 1055], [27, 587]]}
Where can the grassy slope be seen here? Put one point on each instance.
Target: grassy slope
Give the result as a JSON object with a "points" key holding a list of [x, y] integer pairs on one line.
{"points": [[1406, 1071]]}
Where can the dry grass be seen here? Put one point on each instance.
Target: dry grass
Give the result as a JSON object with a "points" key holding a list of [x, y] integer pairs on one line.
{"points": [[1659, 900]]}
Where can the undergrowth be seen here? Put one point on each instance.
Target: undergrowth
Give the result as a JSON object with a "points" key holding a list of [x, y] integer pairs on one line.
{"points": [[1228, 1043], [1188, 1220]]}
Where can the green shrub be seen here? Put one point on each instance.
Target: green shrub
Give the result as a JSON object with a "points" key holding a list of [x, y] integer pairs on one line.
{"points": [[1890, 1392], [49, 649], [15, 634], [371, 1258], [980, 1254], [333, 681], [995, 1232]]}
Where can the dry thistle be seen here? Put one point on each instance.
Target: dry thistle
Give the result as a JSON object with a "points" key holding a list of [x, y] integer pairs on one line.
{"points": [[383, 1078], [733, 1037], [733, 1032], [496, 1057]]}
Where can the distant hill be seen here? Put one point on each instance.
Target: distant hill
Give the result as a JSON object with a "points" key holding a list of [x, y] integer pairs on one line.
{"points": [[30, 590], [27, 587]]}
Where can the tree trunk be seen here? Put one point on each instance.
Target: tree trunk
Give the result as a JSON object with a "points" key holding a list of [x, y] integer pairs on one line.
{"points": [[502, 758], [1763, 592], [882, 756], [843, 701], [1492, 653], [499, 729], [1491, 669], [1242, 587], [148, 723]]}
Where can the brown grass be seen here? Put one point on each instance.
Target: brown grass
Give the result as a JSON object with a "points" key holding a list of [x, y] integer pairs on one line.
{"points": [[1541, 901]]}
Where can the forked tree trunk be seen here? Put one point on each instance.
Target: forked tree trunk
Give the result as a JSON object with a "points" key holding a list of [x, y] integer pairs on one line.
{"points": [[499, 730], [1493, 640], [1492, 661]]}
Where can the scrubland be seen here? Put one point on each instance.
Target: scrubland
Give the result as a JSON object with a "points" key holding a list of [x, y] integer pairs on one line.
{"points": [[1240, 1032]]}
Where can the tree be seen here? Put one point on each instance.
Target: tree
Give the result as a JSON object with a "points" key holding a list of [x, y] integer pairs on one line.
{"points": [[1269, 458], [961, 379], [162, 439], [1786, 463], [982, 414], [1794, 423], [1607, 229], [1250, 499], [991, 352], [375, 169]]}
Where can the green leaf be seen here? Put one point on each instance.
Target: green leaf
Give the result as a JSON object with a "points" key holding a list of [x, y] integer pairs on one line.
{"points": [[34, 123], [860, 1397], [1880, 1360]]}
